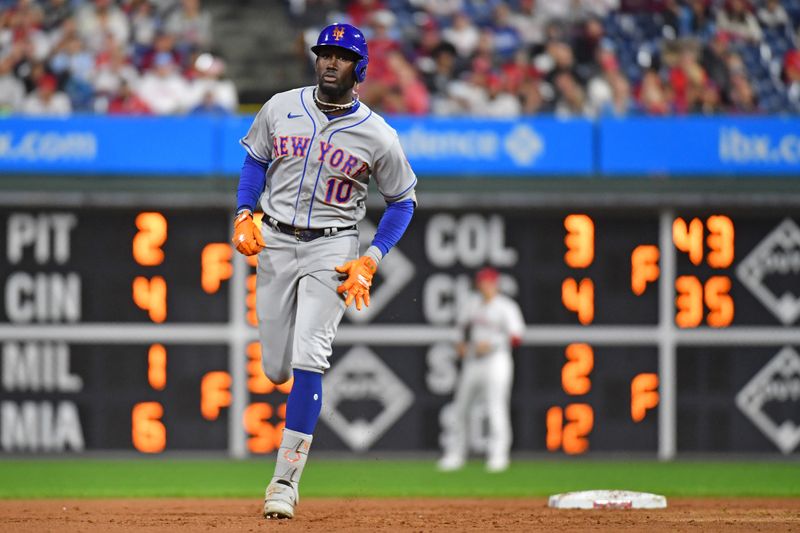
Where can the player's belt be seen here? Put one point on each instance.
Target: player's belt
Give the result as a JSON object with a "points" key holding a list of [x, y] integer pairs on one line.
{"points": [[306, 235]]}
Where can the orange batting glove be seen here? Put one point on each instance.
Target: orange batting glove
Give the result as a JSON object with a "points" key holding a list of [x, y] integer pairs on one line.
{"points": [[359, 280], [246, 235]]}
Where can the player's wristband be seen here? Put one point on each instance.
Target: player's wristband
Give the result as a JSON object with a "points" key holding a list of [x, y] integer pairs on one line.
{"points": [[374, 253]]}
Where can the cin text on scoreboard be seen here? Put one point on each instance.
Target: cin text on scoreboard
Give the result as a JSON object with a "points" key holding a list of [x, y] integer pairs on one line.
{"points": [[656, 331]]}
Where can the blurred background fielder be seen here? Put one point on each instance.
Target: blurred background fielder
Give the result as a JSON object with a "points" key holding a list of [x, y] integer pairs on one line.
{"points": [[491, 325]]}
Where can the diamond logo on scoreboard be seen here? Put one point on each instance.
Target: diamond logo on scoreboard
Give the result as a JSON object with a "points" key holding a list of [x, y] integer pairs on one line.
{"points": [[770, 398], [772, 271], [360, 377]]}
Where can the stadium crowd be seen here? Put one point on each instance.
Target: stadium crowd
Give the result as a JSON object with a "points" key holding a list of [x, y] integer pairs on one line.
{"points": [[102, 56], [592, 58]]}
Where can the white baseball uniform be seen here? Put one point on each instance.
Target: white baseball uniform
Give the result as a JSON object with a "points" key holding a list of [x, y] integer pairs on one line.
{"points": [[487, 377], [317, 179]]}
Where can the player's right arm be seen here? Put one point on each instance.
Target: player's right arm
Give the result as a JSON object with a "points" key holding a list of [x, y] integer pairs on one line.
{"points": [[252, 180]]}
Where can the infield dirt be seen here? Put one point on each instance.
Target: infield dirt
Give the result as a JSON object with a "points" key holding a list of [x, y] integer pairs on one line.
{"points": [[170, 515]]}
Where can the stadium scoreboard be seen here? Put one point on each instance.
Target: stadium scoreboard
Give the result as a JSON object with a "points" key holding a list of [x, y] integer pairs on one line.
{"points": [[648, 330]]}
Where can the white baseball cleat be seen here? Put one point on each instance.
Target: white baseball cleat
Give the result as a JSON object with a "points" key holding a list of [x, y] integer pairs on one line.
{"points": [[280, 499], [450, 463], [497, 464]]}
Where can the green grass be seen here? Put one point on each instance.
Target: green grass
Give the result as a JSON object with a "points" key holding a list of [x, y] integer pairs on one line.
{"points": [[84, 478]]}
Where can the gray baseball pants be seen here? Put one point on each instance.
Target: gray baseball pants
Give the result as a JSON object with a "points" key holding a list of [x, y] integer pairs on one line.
{"points": [[297, 304]]}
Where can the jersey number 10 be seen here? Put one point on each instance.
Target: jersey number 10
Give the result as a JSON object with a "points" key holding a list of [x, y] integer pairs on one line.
{"points": [[341, 188]]}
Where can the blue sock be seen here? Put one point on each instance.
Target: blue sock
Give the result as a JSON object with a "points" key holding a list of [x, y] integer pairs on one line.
{"points": [[305, 402]]}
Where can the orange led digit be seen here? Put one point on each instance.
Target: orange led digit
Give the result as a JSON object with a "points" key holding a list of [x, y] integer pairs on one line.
{"points": [[216, 267], [644, 395], [554, 423], [264, 437], [148, 240], [579, 241], [575, 372], [215, 393], [719, 301], [148, 432], [151, 295], [157, 366], [720, 241], [580, 421], [644, 267], [689, 238], [579, 298], [689, 302], [252, 316], [257, 381]]}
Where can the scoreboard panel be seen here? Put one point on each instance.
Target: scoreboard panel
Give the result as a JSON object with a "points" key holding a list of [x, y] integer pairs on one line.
{"points": [[647, 331]]}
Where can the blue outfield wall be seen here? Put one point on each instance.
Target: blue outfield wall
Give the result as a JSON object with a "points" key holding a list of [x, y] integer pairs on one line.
{"points": [[447, 147]]}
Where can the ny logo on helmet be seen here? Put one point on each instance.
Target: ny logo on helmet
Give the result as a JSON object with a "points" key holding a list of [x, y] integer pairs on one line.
{"points": [[338, 33]]}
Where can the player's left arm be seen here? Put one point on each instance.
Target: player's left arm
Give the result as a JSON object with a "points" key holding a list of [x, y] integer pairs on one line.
{"points": [[516, 324], [396, 182]]}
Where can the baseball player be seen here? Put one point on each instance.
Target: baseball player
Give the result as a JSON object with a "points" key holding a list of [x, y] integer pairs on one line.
{"points": [[311, 153], [491, 325]]}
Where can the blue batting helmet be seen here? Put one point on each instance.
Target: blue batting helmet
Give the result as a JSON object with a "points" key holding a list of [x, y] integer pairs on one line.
{"points": [[347, 37]]}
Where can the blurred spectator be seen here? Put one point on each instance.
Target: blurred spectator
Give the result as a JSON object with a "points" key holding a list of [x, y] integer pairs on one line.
{"points": [[652, 95], [208, 106], [113, 71], [98, 17], [209, 90], [47, 100], [743, 99], [558, 57], [715, 59], [586, 47], [710, 102], [405, 94], [791, 69], [55, 13], [737, 19], [190, 25], [551, 11], [164, 44], [422, 55], [531, 98], [12, 90], [597, 8], [163, 89], [500, 103], [571, 101], [439, 9], [599, 90], [483, 58], [773, 15], [359, 11], [126, 102], [144, 26], [516, 71], [529, 22], [505, 38], [698, 18], [445, 69], [687, 79], [462, 34]]}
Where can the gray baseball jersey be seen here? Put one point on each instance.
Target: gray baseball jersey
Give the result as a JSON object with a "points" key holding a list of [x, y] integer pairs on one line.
{"points": [[319, 168]]}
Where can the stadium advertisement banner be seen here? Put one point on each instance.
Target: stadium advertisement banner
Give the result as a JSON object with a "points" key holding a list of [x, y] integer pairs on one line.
{"points": [[470, 147], [109, 145], [436, 147], [699, 146]]}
